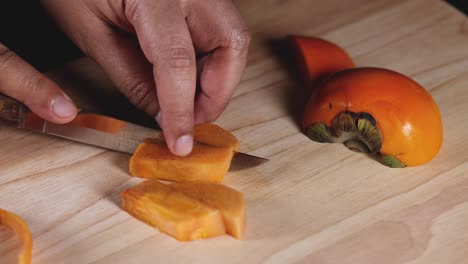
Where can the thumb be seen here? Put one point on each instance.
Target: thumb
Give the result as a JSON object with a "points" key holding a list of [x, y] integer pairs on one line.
{"points": [[20, 80]]}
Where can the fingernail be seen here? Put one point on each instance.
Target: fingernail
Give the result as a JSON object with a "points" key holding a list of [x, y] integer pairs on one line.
{"points": [[63, 107], [158, 118], [183, 145]]}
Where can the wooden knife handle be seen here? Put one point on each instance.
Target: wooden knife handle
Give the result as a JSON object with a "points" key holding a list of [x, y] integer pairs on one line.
{"points": [[10, 109]]}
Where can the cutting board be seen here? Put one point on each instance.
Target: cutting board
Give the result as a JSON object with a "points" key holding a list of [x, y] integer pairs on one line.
{"points": [[312, 203]]}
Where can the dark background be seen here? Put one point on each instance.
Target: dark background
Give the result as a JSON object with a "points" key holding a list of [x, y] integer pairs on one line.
{"points": [[26, 29]]}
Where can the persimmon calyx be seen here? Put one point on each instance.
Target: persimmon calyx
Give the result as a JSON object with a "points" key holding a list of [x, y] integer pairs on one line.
{"points": [[358, 132]]}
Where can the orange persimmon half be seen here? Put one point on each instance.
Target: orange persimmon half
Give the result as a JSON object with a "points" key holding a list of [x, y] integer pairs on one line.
{"points": [[17, 224], [187, 211], [378, 111], [319, 58]]}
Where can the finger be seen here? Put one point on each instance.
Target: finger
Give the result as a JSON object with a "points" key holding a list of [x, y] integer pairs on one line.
{"points": [[125, 64], [216, 26], [165, 40], [21, 81]]}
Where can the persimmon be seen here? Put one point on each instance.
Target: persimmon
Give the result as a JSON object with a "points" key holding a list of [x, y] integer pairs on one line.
{"points": [[189, 210], [17, 224], [209, 160], [319, 58], [99, 122], [215, 135], [378, 111], [227, 200], [172, 212], [204, 163]]}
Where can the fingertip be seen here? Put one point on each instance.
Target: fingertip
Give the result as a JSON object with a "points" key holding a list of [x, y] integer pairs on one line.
{"points": [[183, 145], [63, 110]]}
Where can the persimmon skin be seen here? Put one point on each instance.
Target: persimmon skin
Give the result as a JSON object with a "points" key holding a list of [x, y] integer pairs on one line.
{"points": [[16, 224], [98, 122], [319, 58], [406, 114]]}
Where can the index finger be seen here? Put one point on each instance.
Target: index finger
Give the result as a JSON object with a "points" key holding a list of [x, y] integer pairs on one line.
{"points": [[165, 40]]}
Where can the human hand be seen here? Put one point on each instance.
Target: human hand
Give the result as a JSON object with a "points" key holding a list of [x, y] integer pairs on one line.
{"points": [[148, 49], [20, 80]]}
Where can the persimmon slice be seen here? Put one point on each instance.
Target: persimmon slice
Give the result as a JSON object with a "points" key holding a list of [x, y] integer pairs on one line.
{"points": [[319, 58], [215, 135], [188, 210], [153, 160], [229, 201], [172, 212], [210, 159], [18, 226], [99, 122]]}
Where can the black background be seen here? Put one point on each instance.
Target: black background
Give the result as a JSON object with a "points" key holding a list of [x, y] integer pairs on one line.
{"points": [[26, 29]]}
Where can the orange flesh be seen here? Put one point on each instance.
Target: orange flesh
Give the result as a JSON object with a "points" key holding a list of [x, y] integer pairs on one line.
{"points": [[98, 122], [17, 224], [208, 161], [320, 58], [406, 114], [229, 201], [214, 135], [172, 212], [205, 163]]}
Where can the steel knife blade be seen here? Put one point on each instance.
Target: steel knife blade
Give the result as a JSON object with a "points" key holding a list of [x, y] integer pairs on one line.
{"points": [[99, 130]]}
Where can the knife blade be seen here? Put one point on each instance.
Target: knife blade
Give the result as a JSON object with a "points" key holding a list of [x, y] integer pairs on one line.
{"points": [[99, 130]]}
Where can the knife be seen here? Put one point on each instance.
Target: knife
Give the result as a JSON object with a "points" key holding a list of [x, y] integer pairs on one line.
{"points": [[98, 130]]}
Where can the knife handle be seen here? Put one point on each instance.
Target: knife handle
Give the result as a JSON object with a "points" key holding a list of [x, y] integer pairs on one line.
{"points": [[10, 109]]}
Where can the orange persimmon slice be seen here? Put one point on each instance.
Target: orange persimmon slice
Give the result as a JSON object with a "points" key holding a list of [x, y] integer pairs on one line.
{"points": [[155, 161], [188, 210], [209, 161], [319, 58], [230, 202], [214, 135], [98, 122], [172, 212], [17, 224]]}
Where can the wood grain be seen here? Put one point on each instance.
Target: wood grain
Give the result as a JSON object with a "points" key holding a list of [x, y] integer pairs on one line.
{"points": [[312, 203]]}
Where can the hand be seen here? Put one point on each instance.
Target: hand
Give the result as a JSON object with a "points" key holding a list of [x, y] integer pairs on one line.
{"points": [[148, 49], [21, 81]]}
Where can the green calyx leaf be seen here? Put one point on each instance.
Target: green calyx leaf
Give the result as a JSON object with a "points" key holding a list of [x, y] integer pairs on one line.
{"points": [[319, 132], [368, 132], [390, 161]]}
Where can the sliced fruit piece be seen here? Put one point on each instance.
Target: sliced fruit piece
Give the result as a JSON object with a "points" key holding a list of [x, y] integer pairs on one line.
{"points": [[230, 202], [17, 224], [98, 122], [215, 135], [319, 58], [172, 212], [209, 161], [153, 160]]}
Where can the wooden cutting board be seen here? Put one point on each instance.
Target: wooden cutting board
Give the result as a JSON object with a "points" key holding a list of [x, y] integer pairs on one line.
{"points": [[312, 203]]}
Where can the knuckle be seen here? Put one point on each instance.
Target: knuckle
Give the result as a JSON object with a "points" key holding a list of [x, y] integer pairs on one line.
{"points": [[180, 57], [138, 91], [6, 56], [178, 116], [131, 9], [240, 39]]}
